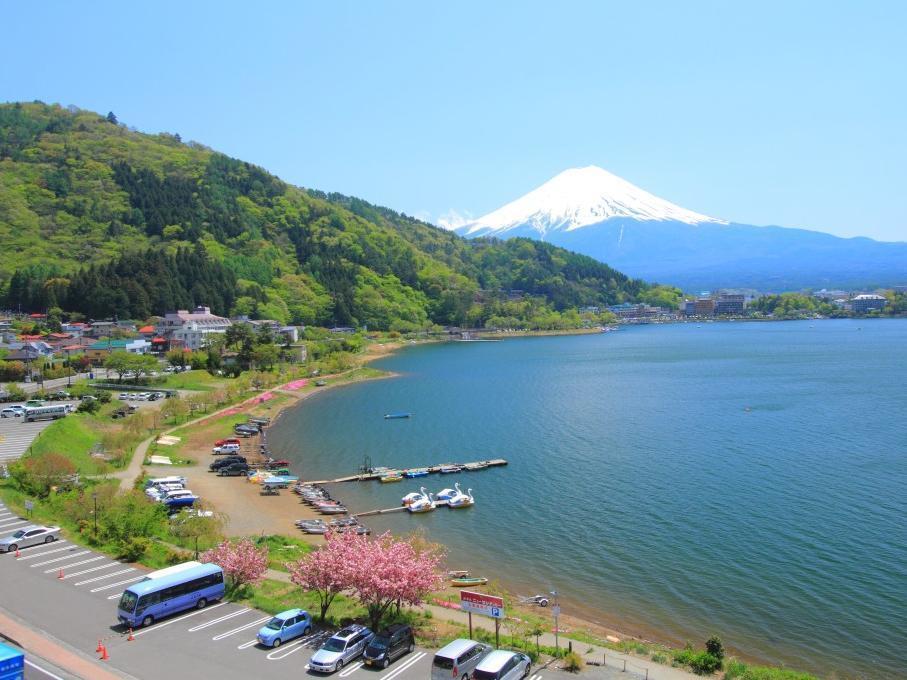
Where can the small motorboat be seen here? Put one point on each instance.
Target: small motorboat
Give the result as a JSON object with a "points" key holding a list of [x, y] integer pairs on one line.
{"points": [[343, 522], [416, 472], [452, 469], [424, 504], [476, 466], [396, 416], [463, 500], [385, 479], [447, 494], [411, 498], [332, 510], [314, 528], [466, 581], [458, 573]]}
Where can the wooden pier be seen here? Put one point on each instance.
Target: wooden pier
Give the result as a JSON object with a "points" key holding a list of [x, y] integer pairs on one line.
{"points": [[400, 508], [433, 469]]}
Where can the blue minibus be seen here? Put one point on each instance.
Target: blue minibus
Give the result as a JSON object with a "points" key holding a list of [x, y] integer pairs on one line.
{"points": [[148, 601]]}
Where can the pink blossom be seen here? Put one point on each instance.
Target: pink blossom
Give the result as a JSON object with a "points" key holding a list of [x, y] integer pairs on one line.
{"points": [[242, 562]]}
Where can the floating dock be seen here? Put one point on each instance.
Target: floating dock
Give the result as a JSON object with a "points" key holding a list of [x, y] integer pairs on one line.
{"points": [[399, 508], [433, 469]]}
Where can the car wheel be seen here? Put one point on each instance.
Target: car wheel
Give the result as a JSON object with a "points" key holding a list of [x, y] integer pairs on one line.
{"points": [[465, 677], [201, 604], [307, 631], [385, 663], [409, 650], [12, 548], [147, 621], [526, 674], [339, 665], [276, 643], [48, 539]]}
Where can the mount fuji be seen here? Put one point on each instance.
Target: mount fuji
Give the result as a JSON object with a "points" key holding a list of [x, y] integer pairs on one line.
{"points": [[594, 212]]}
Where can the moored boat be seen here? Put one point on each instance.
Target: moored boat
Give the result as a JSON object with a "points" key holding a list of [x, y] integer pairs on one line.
{"points": [[451, 469], [424, 504], [416, 472], [386, 479], [466, 581], [462, 500], [396, 416]]}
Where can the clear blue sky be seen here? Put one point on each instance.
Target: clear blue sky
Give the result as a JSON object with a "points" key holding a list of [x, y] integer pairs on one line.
{"points": [[790, 113]]}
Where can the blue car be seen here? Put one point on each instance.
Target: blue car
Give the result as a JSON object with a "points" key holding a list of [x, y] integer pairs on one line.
{"points": [[284, 627]]}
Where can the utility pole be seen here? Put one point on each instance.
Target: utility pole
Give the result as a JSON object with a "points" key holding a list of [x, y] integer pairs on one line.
{"points": [[556, 611], [94, 497]]}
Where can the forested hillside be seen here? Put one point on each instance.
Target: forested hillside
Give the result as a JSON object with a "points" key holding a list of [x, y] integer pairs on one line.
{"points": [[101, 220]]}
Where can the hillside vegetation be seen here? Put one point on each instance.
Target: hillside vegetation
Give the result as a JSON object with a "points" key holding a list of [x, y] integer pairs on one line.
{"points": [[102, 220]]}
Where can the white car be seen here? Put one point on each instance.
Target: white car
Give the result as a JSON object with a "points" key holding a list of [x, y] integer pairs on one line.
{"points": [[30, 535], [124, 396], [12, 412], [341, 648]]}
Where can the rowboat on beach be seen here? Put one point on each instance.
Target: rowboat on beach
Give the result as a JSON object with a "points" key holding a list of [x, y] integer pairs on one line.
{"points": [[466, 581], [458, 573]]}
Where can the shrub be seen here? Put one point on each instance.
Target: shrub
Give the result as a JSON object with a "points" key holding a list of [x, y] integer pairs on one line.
{"points": [[704, 663], [658, 657], [714, 647], [90, 406], [573, 662], [133, 548], [103, 396]]}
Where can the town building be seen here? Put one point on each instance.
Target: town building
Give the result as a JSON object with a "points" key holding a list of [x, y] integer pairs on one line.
{"points": [[704, 307], [730, 304], [190, 330], [861, 304], [99, 350]]}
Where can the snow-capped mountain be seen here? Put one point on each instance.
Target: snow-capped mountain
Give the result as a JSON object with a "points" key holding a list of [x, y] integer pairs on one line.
{"points": [[591, 211], [577, 198]]}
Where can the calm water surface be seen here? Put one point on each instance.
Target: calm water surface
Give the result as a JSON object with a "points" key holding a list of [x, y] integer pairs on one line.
{"points": [[742, 479]]}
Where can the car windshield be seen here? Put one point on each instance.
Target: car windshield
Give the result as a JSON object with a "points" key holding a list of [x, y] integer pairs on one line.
{"points": [[379, 642], [19, 534], [274, 624], [334, 645], [127, 601]]}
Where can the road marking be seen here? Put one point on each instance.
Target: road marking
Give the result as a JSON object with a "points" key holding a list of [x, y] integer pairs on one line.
{"points": [[285, 650], [257, 622], [215, 621], [351, 670], [397, 671], [246, 645], [101, 578], [87, 571], [59, 559], [180, 618], [74, 564], [114, 585], [43, 670], [32, 555], [5, 514], [12, 523]]}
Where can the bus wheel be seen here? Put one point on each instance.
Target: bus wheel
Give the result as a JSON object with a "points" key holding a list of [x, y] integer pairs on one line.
{"points": [[201, 604], [147, 621]]}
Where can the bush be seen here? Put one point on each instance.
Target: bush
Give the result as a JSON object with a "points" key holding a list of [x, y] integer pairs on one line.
{"points": [[103, 396], [704, 663], [133, 548], [714, 647], [573, 662], [89, 406], [658, 657]]}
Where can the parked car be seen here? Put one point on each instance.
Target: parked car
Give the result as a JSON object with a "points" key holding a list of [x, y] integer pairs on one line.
{"points": [[34, 403], [88, 397], [30, 535], [389, 645], [458, 659], [124, 396], [225, 462], [341, 648], [226, 448], [247, 430], [502, 665], [233, 470], [285, 626], [59, 395], [11, 412], [232, 440], [120, 413]]}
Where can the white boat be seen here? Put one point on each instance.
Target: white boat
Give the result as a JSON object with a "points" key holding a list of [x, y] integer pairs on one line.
{"points": [[464, 500], [332, 510], [424, 504], [411, 498], [447, 494]]}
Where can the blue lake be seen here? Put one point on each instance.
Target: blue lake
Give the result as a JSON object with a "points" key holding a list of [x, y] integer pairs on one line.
{"points": [[744, 479]]}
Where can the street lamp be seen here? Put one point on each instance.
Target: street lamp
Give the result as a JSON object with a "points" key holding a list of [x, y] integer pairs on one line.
{"points": [[555, 611], [94, 497]]}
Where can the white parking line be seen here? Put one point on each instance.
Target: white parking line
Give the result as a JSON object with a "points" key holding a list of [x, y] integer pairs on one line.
{"points": [[180, 618], [13, 522], [257, 622], [351, 670], [397, 671], [216, 621], [88, 571], [32, 554], [246, 645], [5, 514], [46, 672], [59, 559], [291, 648], [114, 585], [74, 564], [101, 578]]}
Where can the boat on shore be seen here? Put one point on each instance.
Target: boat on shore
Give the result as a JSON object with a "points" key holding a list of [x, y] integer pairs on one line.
{"points": [[458, 573], [397, 416], [467, 581]]}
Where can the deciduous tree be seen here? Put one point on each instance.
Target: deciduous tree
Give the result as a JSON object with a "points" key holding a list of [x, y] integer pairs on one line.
{"points": [[241, 561]]}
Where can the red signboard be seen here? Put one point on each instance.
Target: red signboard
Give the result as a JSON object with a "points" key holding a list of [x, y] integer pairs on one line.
{"points": [[480, 603]]}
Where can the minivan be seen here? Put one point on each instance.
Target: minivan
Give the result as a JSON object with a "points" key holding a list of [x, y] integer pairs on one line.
{"points": [[458, 659], [388, 645], [502, 665]]}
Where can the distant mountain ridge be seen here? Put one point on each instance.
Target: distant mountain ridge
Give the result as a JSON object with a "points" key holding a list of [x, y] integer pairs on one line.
{"points": [[591, 211]]}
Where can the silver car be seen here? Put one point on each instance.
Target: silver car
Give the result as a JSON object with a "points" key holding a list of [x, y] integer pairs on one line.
{"points": [[30, 535], [341, 648]]}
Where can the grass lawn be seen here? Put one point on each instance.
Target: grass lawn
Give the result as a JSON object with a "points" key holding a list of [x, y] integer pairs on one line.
{"points": [[198, 381], [73, 437]]}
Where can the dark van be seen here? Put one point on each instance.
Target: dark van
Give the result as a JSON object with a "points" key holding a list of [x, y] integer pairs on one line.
{"points": [[388, 645]]}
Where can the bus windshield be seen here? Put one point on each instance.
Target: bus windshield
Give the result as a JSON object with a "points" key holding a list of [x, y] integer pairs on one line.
{"points": [[127, 601]]}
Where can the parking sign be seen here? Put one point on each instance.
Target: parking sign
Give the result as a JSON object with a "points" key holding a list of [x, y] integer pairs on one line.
{"points": [[480, 603]]}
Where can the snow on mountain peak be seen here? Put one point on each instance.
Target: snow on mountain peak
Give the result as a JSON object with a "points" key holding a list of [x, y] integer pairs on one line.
{"points": [[577, 198]]}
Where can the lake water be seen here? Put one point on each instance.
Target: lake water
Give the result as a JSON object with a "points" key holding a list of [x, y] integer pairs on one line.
{"points": [[745, 479]]}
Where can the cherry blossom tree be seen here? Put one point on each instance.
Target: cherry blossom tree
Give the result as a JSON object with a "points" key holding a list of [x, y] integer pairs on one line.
{"points": [[241, 561], [326, 571], [386, 571]]}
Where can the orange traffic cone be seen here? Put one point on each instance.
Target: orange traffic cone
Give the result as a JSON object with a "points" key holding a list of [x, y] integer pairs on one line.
{"points": [[131, 637], [18, 554], [60, 575], [100, 647], [104, 656]]}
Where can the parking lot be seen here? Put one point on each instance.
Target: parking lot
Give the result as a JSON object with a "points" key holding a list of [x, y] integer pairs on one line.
{"points": [[71, 592], [16, 436]]}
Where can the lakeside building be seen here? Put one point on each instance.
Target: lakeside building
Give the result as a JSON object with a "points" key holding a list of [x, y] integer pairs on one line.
{"points": [[861, 304], [99, 350], [190, 330], [731, 304], [704, 306]]}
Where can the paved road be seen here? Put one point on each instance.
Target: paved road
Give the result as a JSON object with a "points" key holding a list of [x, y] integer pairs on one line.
{"points": [[69, 594]]}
